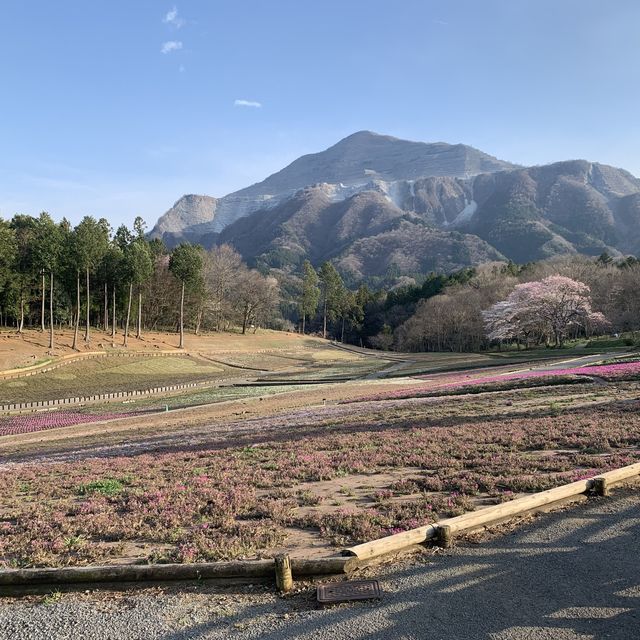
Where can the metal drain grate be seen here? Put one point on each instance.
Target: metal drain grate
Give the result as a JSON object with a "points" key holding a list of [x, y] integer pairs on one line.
{"points": [[350, 590]]}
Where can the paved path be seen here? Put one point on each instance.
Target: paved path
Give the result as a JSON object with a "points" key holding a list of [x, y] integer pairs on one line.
{"points": [[569, 575], [577, 361]]}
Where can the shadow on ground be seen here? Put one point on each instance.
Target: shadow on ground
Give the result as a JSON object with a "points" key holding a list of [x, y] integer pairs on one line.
{"points": [[570, 575]]}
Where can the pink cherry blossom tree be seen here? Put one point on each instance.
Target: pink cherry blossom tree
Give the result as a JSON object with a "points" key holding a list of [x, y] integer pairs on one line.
{"points": [[543, 310]]}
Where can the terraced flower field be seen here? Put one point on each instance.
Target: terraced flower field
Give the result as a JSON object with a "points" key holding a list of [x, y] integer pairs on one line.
{"points": [[310, 480], [42, 421], [247, 471], [476, 382], [34, 422]]}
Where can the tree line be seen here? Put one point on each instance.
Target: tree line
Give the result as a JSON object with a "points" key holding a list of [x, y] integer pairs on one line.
{"points": [[515, 305], [57, 275], [476, 308], [364, 316], [327, 305]]}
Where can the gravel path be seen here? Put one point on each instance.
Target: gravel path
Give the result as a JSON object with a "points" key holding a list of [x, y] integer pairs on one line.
{"points": [[569, 575], [580, 361]]}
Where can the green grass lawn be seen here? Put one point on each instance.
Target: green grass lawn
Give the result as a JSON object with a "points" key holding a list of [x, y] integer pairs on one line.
{"points": [[115, 374], [109, 375]]}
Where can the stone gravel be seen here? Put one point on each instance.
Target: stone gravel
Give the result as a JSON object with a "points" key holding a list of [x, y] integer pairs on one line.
{"points": [[568, 575]]}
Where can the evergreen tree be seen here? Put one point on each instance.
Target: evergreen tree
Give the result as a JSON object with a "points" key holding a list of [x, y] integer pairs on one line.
{"points": [[332, 289], [47, 247], [186, 265], [112, 268], [310, 293], [8, 252], [22, 280], [92, 242], [137, 268]]}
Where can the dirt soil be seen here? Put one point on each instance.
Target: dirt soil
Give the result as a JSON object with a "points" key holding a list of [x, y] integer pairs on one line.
{"points": [[31, 347]]}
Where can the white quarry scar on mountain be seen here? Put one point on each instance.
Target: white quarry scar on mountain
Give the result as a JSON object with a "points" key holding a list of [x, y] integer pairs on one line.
{"points": [[465, 215]]}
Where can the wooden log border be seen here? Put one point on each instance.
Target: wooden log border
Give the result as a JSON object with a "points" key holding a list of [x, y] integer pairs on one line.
{"points": [[350, 559], [300, 567], [489, 515]]}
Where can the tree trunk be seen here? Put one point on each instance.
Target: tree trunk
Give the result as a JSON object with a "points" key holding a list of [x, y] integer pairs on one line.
{"points": [[139, 328], [126, 326], [86, 330], [51, 310], [199, 321], [245, 318], [113, 314], [324, 320], [342, 332], [77, 323], [106, 307], [304, 319], [181, 346], [43, 303], [21, 325]]}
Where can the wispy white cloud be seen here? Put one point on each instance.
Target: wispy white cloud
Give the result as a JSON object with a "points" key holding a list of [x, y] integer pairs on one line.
{"points": [[443, 22], [248, 103], [171, 45], [171, 17]]}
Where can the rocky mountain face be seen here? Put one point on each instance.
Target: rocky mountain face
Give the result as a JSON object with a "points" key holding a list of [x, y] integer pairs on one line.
{"points": [[367, 235], [382, 207], [188, 212], [351, 165]]}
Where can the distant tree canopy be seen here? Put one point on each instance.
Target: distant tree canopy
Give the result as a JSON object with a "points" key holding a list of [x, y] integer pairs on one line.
{"points": [[446, 312], [508, 303], [54, 274], [90, 272]]}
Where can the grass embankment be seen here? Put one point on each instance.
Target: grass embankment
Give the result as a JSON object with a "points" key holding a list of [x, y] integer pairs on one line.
{"points": [[108, 375]]}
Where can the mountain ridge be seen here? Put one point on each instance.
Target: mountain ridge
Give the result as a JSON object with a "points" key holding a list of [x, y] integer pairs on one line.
{"points": [[449, 206], [355, 160]]}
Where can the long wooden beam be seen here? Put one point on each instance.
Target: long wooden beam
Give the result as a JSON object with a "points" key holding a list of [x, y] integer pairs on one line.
{"points": [[168, 572], [488, 515]]}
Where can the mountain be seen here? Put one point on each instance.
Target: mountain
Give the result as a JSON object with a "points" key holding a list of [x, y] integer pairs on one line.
{"points": [[367, 235], [189, 211], [350, 165], [385, 208], [565, 207]]}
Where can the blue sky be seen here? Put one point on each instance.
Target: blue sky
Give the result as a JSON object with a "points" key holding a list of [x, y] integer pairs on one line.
{"points": [[117, 108]]}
